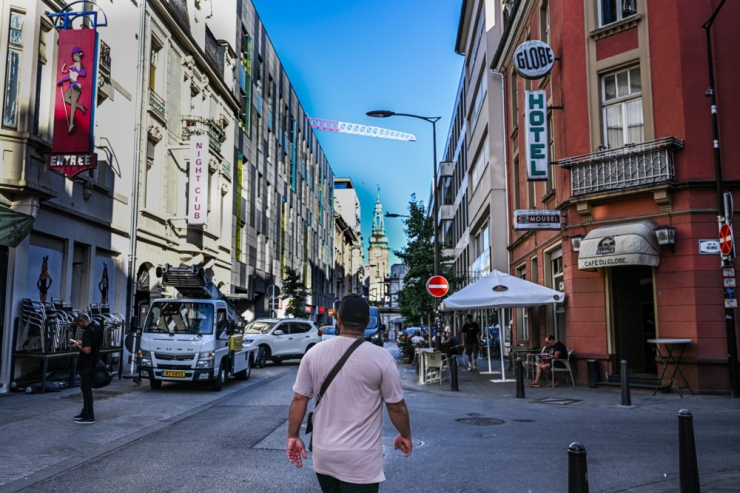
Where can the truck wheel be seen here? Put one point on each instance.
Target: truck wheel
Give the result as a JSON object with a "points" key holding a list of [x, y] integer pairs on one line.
{"points": [[218, 384], [246, 372], [263, 356], [155, 384]]}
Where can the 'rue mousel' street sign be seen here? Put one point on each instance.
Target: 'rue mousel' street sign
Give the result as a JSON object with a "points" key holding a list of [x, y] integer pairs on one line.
{"points": [[437, 286]]}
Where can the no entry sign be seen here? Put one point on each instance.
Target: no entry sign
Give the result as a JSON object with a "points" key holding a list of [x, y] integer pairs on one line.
{"points": [[437, 286], [725, 239]]}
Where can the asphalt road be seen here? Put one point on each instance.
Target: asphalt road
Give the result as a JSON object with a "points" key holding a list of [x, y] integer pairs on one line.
{"points": [[237, 444]]}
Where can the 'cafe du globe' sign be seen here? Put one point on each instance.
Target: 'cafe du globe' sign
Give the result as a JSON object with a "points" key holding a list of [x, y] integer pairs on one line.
{"points": [[533, 59]]}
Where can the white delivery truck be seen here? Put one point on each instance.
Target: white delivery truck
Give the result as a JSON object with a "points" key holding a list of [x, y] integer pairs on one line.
{"points": [[197, 337]]}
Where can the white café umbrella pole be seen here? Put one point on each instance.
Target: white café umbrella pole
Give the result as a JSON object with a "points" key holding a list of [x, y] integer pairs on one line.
{"points": [[501, 351]]}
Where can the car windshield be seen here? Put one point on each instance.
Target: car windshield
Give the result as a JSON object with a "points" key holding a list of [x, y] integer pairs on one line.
{"points": [[329, 331], [177, 317], [259, 327]]}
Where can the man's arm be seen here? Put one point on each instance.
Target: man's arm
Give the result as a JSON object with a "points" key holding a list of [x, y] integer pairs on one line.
{"points": [[399, 415], [295, 449]]}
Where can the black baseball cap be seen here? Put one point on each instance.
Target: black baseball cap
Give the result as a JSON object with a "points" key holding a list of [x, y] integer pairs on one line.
{"points": [[354, 310]]}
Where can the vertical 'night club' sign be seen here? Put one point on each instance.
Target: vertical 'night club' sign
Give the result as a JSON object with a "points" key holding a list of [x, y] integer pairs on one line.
{"points": [[74, 109]]}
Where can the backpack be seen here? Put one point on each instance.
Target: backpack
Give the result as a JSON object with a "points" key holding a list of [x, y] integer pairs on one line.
{"points": [[101, 375]]}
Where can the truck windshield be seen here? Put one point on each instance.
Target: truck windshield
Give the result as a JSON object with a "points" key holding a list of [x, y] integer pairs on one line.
{"points": [[259, 327], [177, 317]]}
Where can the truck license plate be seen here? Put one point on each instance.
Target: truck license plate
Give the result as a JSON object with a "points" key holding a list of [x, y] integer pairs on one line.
{"points": [[178, 374]]}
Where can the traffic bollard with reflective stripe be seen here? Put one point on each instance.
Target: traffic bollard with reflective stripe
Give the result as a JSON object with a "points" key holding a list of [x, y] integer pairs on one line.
{"points": [[453, 373]]}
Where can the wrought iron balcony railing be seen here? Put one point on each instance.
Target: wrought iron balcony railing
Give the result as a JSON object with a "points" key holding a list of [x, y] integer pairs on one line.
{"points": [[196, 125], [630, 166], [157, 103]]}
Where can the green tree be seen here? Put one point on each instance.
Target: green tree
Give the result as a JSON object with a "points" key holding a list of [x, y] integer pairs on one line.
{"points": [[418, 256], [295, 291]]}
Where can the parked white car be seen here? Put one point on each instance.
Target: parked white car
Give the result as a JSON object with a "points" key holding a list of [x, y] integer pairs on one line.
{"points": [[281, 339], [327, 332]]}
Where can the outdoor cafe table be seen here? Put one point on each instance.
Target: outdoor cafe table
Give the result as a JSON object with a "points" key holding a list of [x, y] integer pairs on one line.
{"points": [[669, 358]]}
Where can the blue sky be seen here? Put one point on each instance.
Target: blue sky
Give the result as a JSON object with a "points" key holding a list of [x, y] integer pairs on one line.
{"points": [[347, 57]]}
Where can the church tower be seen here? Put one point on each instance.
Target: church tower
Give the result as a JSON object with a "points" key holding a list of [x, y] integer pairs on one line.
{"points": [[378, 256]]}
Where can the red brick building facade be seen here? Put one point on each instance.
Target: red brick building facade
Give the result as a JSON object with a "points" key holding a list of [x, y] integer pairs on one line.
{"points": [[631, 150]]}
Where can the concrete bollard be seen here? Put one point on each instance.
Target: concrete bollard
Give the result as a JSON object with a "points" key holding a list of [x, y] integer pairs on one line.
{"points": [[453, 373], [687, 465], [519, 379], [577, 469], [626, 399]]}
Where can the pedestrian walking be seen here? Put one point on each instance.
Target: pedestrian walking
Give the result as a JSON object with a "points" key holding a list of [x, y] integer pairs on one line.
{"points": [[347, 420], [471, 340], [89, 347]]}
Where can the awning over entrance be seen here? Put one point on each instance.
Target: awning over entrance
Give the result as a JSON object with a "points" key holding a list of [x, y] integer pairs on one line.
{"points": [[624, 244], [14, 226]]}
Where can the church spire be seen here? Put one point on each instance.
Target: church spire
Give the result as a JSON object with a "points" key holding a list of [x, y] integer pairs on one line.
{"points": [[378, 237]]}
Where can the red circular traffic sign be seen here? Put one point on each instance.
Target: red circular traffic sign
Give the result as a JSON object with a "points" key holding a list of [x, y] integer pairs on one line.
{"points": [[725, 239], [437, 286]]}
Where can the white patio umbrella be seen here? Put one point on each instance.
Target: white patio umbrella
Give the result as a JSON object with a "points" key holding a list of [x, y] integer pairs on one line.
{"points": [[500, 290]]}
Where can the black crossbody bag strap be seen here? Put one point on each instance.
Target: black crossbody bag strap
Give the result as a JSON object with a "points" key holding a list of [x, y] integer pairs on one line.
{"points": [[334, 371]]}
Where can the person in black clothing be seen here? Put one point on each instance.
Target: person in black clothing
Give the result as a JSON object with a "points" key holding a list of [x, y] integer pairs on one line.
{"points": [[557, 351], [89, 348], [471, 340]]}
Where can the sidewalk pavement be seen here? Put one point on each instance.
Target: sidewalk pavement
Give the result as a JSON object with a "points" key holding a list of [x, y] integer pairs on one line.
{"points": [[478, 384]]}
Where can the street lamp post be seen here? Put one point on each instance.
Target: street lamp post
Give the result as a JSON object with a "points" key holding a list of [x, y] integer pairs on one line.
{"points": [[433, 120]]}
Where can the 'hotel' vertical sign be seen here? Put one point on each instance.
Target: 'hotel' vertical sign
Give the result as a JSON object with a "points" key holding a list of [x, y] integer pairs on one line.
{"points": [[535, 116], [198, 180]]}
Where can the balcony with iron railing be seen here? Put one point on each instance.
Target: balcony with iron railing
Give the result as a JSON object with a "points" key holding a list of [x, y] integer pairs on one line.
{"points": [[156, 102], [196, 125], [627, 167]]}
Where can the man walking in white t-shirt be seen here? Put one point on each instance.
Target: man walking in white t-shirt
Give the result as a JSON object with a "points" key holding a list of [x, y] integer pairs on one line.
{"points": [[347, 439]]}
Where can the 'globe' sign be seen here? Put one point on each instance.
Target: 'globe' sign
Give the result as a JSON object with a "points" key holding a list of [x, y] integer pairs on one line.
{"points": [[533, 59]]}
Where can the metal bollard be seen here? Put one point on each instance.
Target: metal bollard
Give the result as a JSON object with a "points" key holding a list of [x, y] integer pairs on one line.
{"points": [[453, 373], [626, 399], [687, 465], [577, 469], [519, 379]]}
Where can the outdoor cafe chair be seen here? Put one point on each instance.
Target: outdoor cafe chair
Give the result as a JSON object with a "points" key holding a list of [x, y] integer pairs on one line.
{"points": [[566, 369], [435, 366]]}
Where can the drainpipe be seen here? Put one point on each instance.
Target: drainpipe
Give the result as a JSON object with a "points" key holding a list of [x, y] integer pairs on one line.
{"points": [[135, 185], [732, 357]]}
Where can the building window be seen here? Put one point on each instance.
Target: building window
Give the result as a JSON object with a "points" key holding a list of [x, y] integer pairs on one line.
{"points": [[611, 11], [480, 163], [514, 102], [517, 185], [556, 269], [621, 97], [545, 21], [12, 70], [43, 101], [481, 264], [480, 95]]}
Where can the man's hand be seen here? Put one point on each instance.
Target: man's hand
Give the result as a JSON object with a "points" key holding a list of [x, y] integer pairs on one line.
{"points": [[403, 444], [296, 451]]}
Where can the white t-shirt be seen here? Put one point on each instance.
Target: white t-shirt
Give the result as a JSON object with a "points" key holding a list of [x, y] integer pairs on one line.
{"points": [[347, 438]]}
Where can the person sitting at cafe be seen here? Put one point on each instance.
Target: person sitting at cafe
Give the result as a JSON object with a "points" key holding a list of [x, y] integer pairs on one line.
{"points": [[454, 343], [417, 339], [557, 351]]}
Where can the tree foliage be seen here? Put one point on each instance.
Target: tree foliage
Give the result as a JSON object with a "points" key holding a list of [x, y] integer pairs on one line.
{"points": [[295, 291], [418, 257]]}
